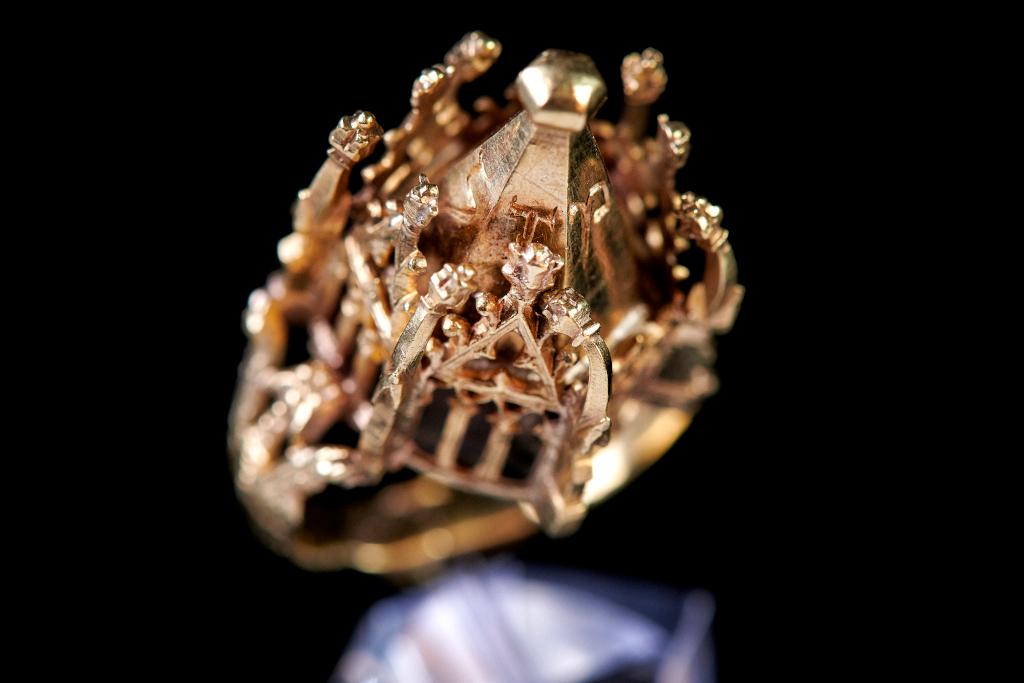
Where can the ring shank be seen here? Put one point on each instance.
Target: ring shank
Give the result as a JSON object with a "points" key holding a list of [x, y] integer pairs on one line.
{"points": [[411, 526]]}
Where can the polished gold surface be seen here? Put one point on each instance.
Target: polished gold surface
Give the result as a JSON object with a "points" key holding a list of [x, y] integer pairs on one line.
{"points": [[470, 330]]}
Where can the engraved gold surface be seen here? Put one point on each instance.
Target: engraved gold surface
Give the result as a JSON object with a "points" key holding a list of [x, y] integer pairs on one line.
{"points": [[467, 314]]}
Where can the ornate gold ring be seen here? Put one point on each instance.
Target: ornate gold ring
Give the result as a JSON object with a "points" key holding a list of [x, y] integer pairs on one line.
{"points": [[462, 316]]}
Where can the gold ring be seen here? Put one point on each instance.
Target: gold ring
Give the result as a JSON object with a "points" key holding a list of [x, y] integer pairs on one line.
{"points": [[430, 373]]}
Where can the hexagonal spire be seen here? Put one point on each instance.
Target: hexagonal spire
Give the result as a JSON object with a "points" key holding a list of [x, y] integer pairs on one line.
{"points": [[541, 179], [561, 89]]}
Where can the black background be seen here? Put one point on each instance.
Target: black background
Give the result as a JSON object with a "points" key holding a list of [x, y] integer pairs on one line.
{"points": [[745, 504]]}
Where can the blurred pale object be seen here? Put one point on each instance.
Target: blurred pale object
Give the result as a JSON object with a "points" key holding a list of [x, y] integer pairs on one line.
{"points": [[507, 624]]}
